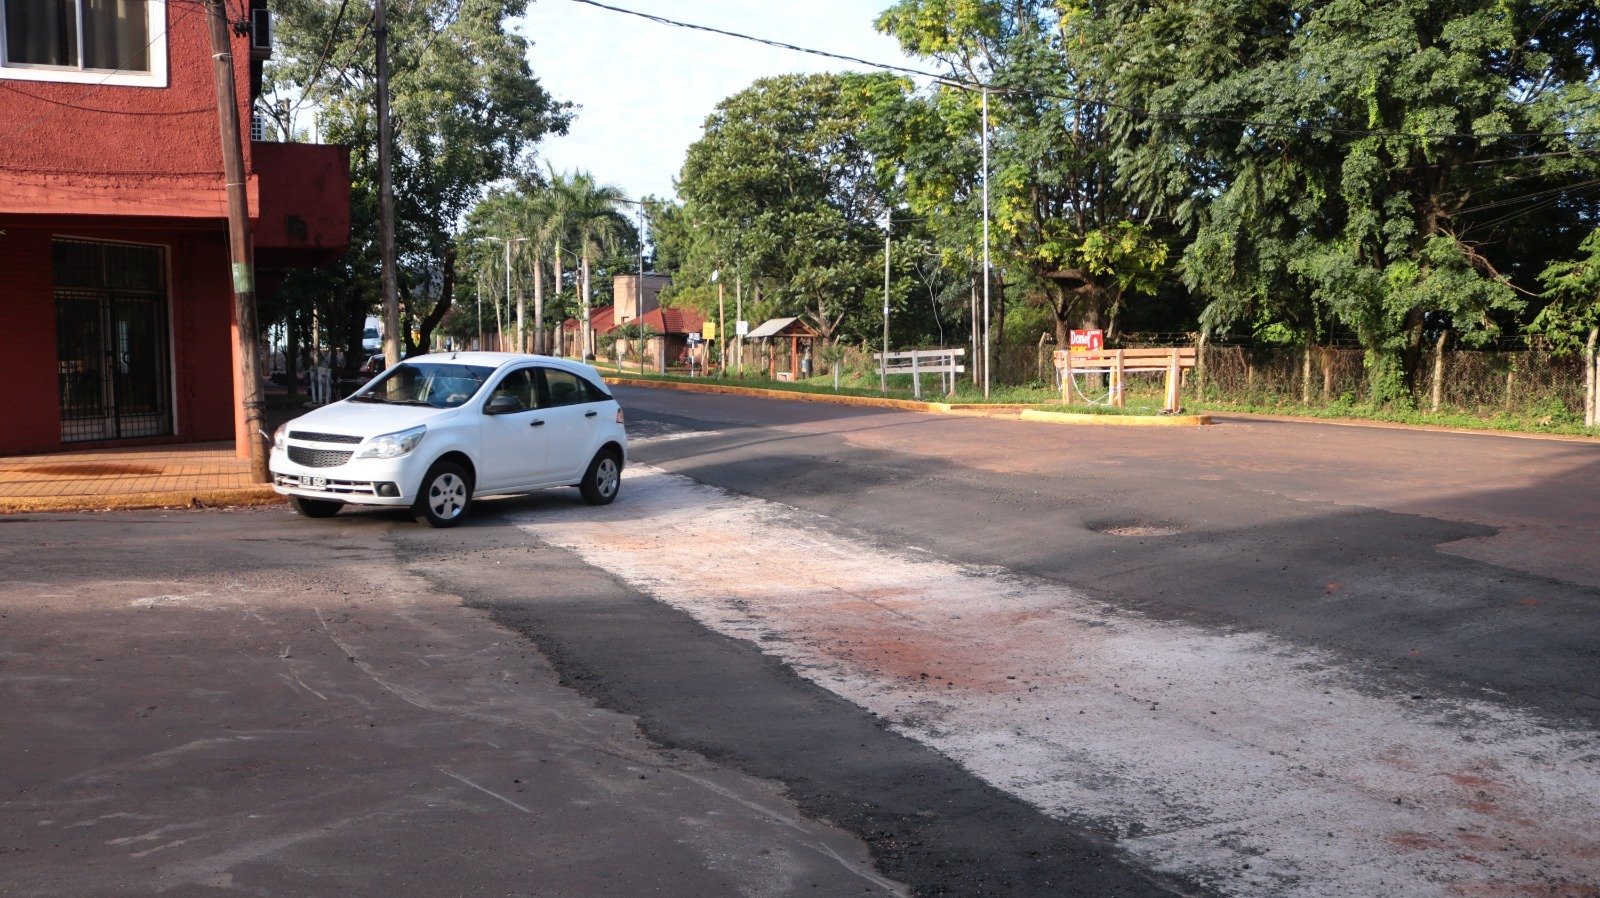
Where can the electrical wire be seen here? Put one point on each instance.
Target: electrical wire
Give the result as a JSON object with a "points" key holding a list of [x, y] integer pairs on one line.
{"points": [[970, 85]]}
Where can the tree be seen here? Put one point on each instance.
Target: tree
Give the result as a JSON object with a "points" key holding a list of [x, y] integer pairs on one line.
{"points": [[467, 112], [785, 187], [589, 211], [1572, 318], [1366, 159], [1061, 212]]}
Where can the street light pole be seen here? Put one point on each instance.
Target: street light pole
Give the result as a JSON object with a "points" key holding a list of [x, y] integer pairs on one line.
{"points": [[883, 360], [638, 294], [986, 278]]}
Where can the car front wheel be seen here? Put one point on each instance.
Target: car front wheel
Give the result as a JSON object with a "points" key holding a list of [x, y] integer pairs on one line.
{"points": [[603, 479], [446, 492]]}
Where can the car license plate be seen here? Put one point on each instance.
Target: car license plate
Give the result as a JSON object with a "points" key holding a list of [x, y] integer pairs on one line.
{"points": [[315, 483]]}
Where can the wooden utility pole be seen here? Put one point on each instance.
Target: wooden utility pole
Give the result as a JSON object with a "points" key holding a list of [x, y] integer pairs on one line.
{"points": [[239, 251], [390, 287]]}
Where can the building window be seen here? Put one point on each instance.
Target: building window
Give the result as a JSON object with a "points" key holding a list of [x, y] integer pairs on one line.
{"points": [[97, 41]]}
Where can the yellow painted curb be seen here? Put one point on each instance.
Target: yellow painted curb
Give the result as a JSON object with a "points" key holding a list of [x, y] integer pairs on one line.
{"points": [[128, 501], [995, 410], [910, 405], [1117, 420]]}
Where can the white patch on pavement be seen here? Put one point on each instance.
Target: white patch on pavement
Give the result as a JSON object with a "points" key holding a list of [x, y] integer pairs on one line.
{"points": [[1249, 764]]}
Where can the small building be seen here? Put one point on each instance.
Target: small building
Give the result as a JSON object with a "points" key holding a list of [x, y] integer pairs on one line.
{"points": [[775, 332], [669, 347], [116, 291]]}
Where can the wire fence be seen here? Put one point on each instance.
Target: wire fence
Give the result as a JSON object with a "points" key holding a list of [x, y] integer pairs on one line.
{"points": [[1534, 386]]}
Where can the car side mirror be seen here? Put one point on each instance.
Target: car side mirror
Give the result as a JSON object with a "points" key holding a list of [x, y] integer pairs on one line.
{"points": [[502, 404]]}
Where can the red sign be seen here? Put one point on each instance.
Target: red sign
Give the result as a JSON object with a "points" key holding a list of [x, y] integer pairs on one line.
{"points": [[1086, 341]]}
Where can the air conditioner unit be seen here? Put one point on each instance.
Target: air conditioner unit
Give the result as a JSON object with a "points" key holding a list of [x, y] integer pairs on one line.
{"points": [[260, 34]]}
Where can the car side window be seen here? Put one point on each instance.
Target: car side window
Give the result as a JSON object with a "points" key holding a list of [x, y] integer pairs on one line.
{"points": [[563, 387], [520, 385], [592, 393]]}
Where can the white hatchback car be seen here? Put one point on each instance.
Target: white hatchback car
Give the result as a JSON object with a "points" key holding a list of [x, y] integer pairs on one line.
{"points": [[436, 430]]}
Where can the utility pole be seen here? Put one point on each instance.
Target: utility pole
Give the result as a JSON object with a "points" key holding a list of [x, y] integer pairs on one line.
{"points": [[883, 360], [390, 285], [638, 295], [240, 253], [722, 328], [986, 278]]}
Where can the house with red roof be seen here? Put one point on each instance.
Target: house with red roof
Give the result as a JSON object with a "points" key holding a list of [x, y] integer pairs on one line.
{"points": [[672, 327]]}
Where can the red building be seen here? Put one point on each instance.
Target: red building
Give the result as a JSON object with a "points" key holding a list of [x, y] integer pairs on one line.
{"points": [[116, 298]]}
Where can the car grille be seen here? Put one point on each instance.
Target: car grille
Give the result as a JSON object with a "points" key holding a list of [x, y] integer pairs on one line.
{"points": [[311, 437], [318, 458]]}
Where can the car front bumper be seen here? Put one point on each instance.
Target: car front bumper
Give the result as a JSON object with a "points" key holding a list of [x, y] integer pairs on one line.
{"points": [[366, 481]]}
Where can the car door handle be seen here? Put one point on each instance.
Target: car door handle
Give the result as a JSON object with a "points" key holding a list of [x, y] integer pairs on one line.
{"points": [[590, 414], [537, 423]]}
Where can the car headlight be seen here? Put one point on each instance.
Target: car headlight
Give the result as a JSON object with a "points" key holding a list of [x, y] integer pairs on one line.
{"points": [[280, 437], [394, 445]]}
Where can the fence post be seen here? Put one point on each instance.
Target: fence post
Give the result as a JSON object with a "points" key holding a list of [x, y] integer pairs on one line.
{"points": [[1200, 367], [1116, 386], [1591, 380], [1305, 376], [916, 377], [1171, 402], [1438, 369]]}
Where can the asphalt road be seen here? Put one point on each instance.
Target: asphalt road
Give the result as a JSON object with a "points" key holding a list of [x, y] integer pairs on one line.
{"points": [[824, 650]]}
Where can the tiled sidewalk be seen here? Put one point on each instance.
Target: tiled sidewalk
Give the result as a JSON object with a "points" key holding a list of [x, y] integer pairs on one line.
{"points": [[200, 474]]}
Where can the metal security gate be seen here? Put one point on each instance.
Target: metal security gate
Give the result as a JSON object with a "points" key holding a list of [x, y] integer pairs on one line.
{"points": [[111, 340]]}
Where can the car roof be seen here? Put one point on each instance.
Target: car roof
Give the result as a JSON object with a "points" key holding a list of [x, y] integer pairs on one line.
{"points": [[499, 360]]}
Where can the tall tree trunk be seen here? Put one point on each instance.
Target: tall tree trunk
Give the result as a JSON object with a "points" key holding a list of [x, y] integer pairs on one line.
{"points": [[976, 356], [446, 299], [1411, 356], [583, 324], [1591, 395], [538, 306], [1305, 376], [291, 348]]}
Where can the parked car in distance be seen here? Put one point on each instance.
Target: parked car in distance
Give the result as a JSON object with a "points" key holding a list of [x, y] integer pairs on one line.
{"points": [[371, 368], [436, 431]]}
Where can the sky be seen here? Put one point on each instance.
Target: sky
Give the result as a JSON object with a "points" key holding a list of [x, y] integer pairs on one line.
{"points": [[644, 89]]}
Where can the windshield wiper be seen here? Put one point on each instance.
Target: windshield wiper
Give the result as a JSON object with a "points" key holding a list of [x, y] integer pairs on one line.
{"points": [[366, 397]]}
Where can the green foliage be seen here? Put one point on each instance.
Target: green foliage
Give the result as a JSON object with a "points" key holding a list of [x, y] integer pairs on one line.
{"points": [[1574, 289], [466, 108], [783, 187], [1067, 228], [1358, 164]]}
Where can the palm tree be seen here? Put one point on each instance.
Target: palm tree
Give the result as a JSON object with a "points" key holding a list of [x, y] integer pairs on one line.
{"points": [[589, 208]]}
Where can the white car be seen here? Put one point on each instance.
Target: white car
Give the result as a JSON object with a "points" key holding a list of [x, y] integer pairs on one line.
{"points": [[436, 430]]}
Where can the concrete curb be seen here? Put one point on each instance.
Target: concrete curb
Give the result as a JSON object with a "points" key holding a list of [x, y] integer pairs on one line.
{"points": [[1116, 420], [238, 496], [910, 405]]}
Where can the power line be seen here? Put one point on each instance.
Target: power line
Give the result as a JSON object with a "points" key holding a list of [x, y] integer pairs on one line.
{"points": [[968, 84]]}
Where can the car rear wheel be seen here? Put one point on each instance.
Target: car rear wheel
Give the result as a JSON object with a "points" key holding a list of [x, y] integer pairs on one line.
{"points": [[314, 508], [603, 480], [445, 494]]}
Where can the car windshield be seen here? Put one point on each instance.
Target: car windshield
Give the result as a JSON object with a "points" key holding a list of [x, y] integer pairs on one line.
{"points": [[441, 385]]}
